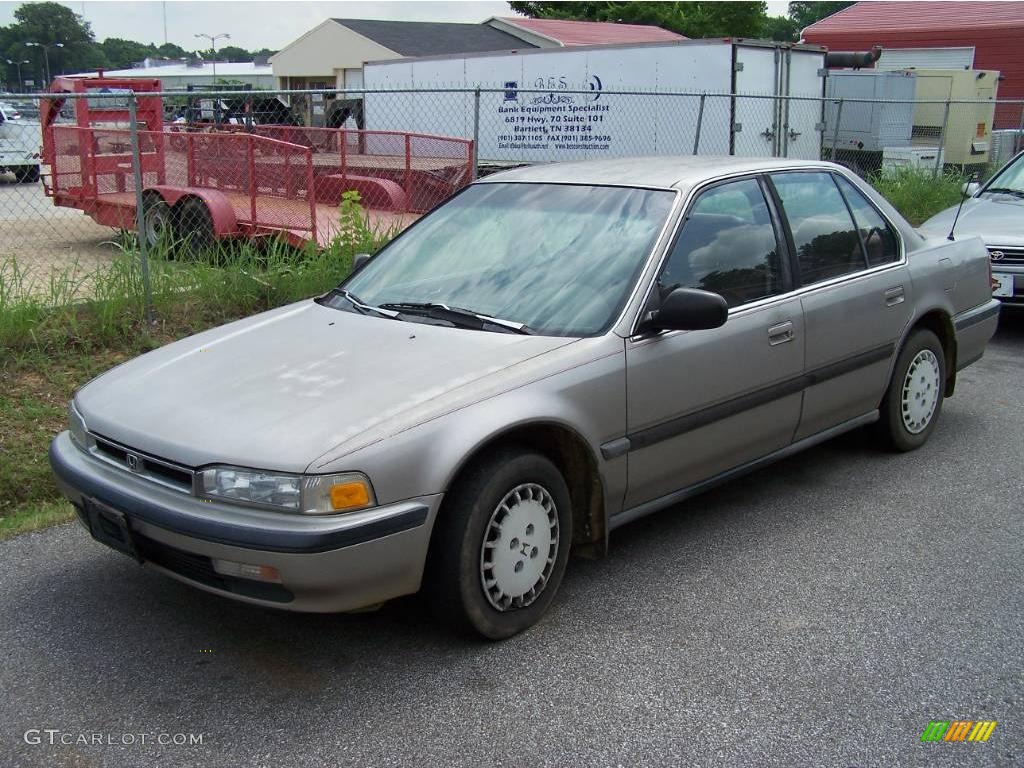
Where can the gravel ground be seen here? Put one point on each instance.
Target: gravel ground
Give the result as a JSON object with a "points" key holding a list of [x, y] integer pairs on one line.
{"points": [[817, 613], [41, 236]]}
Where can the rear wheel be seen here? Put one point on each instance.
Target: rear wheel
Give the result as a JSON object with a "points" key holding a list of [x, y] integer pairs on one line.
{"points": [[501, 544], [195, 228], [913, 401]]}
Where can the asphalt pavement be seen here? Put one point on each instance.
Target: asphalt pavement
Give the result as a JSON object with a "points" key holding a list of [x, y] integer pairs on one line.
{"points": [[818, 613]]}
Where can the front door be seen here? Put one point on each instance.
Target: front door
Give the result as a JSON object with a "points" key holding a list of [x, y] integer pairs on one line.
{"points": [[702, 402]]}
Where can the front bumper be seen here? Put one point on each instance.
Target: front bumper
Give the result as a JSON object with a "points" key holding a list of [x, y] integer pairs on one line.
{"points": [[326, 563]]}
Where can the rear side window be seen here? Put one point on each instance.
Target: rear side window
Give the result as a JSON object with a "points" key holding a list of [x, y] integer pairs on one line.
{"points": [[727, 246], [827, 242], [879, 239]]}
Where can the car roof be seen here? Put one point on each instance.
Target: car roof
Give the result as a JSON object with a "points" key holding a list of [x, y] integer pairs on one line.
{"points": [[678, 172]]}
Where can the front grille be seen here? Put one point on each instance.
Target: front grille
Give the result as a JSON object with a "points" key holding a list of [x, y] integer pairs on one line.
{"points": [[1009, 255], [199, 568], [145, 466]]}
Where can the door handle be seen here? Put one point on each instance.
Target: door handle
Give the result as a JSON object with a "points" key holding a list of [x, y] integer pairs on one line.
{"points": [[894, 296], [781, 333]]}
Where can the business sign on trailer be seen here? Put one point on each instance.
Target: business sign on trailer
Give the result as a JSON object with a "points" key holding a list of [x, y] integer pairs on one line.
{"points": [[562, 104]]}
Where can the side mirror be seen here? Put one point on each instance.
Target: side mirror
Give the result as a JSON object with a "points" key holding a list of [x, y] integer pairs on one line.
{"points": [[970, 188], [689, 309], [359, 259]]}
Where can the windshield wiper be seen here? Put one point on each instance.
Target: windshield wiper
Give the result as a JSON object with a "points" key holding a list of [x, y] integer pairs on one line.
{"points": [[362, 306], [1006, 191], [456, 315]]}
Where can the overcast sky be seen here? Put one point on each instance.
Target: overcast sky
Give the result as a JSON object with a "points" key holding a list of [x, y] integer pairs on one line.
{"points": [[254, 24]]}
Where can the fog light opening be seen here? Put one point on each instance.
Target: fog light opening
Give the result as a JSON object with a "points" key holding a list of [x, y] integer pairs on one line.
{"points": [[247, 571]]}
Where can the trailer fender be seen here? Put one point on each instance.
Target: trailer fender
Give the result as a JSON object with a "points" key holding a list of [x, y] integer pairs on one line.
{"points": [[373, 192], [223, 215]]}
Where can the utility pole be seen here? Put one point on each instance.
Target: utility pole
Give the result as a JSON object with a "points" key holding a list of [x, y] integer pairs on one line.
{"points": [[213, 48], [46, 55]]}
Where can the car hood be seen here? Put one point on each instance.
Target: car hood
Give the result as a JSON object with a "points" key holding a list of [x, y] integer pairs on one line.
{"points": [[280, 389], [995, 218]]}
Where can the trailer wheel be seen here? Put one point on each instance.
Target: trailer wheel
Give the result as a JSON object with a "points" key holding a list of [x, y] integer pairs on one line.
{"points": [[27, 175], [195, 227], [157, 220]]}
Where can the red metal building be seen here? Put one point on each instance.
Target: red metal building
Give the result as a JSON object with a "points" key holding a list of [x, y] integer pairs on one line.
{"points": [[995, 30]]}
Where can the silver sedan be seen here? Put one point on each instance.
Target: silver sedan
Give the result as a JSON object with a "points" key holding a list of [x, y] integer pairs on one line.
{"points": [[554, 352], [994, 212]]}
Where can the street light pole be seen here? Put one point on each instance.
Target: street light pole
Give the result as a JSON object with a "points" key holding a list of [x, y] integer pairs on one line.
{"points": [[21, 83], [46, 55], [213, 48]]}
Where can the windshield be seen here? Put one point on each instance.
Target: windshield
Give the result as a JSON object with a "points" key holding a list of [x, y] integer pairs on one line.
{"points": [[557, 258], [1011, 180]]}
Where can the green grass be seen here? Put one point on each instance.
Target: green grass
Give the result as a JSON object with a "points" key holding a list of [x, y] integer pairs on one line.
{"points": [[917, 195], [56, 336]]}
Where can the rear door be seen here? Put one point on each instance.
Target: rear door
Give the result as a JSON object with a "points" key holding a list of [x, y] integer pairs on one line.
{"points": [[855, 294], [702, 402]]}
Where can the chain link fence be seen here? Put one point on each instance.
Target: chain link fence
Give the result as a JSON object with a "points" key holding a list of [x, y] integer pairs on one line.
{"points": [[83, 172]]}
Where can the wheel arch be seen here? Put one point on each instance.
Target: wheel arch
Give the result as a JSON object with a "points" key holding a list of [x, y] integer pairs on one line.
{"points": [[575, 459], [939, 322]]}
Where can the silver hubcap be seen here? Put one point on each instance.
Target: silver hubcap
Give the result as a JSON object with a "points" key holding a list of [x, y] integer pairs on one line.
{"points": [[157, 223], [920, 391], [520, 547]]}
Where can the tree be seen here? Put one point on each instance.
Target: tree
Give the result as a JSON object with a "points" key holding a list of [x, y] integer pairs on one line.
{"points": [[233, 53], [800, 16], [803, 14], [693, 19], [122, 54], [171, 51], [50, 23]]}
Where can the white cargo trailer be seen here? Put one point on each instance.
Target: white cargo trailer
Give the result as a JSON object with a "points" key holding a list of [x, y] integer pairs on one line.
{"points": [[562, 104]]}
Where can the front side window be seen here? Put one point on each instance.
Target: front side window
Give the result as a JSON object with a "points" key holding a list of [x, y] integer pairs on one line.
{"points": [[879, 239], [727, 246], [559, 258], [826, 240]]}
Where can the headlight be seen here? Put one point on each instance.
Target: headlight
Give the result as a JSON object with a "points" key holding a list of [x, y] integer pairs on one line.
{"points": [[302, 494], [76, 426]]}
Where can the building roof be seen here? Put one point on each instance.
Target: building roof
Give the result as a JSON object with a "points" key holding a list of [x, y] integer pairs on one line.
{"points": [[224, 70], [591, 32], [427, 38], [926, 15]]}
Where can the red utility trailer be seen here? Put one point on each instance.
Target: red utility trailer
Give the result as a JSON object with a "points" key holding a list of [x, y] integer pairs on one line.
{"points": [[230, 182]]}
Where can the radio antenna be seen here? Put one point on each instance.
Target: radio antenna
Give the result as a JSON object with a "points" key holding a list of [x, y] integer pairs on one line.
{"points": [[964, 196]]}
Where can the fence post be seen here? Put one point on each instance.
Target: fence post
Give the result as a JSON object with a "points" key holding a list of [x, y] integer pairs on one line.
{"points": [[700, 121], [476, 134], [140, 215], [252, 179], [408, 171], [835, 130], [1018, 140], [942, 141]]}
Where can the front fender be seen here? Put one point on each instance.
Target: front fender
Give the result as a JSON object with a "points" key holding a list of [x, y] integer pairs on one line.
{"points": [[587, 397]]}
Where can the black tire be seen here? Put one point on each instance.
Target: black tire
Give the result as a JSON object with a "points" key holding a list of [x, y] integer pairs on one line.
{"points": [[460, 559], [157, 221], [27, 175], [908, 413], [194, 226]]}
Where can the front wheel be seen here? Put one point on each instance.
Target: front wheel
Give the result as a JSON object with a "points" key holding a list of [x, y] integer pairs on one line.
{"points": [[157, 220], [913, 401], [501, 544]]}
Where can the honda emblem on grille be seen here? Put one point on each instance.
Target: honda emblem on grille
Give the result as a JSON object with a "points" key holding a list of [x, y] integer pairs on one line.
{"points": [[134, 462], [997, 255]]}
